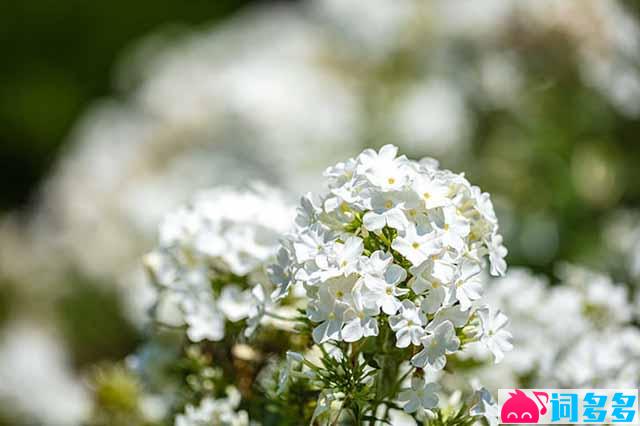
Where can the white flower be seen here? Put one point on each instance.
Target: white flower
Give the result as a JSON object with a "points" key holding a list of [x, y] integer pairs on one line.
{"points": [[364, 324], [467, 285], [435, 298], [497, 253], [331, 319], [433, 276], [494, 334], [247, 224], [383, 292], [482, 404], [340, 289], [354, 246], [408, 325], [421, 395], [204, 320], [215, 412], [417, 247], [483, 205], [307, 211], [342, 258], [376, 265], [310, 244], [293, 359], [333, 308], [454, 228], [387, 208], [257, 309], [212, 252], [383, 169], [341, 173], [608, 300], [280, 274], [453, 314], [235, 303], [348, 254], [434, 193], [433, 273], [436, 346]]}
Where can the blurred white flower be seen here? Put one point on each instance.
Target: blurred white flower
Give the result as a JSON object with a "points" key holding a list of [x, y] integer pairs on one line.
{"points": [[575, 334], [433, 118], [36, 378], [215, 412], [422, 395], [495, 336], [483, 404], [293, 359], [213, 252]]}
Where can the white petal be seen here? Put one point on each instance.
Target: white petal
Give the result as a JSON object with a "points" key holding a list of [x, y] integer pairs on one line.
{"points": [[320, 332], [374, 221], [420, 359], [352, 331]]}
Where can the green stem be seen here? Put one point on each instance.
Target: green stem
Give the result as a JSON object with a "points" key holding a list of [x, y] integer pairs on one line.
{"points": [[388, 373], [401, 379], [384, 239], [279, 317]]}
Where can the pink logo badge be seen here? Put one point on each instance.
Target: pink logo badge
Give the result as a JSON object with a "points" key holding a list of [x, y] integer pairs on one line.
{"points": [[519, 408]]}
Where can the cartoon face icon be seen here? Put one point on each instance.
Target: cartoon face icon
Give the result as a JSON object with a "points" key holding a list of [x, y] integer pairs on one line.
{"points": [[519, 408]]}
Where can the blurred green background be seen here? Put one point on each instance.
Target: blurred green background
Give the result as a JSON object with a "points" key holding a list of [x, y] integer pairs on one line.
{"points": [[58, 56]]}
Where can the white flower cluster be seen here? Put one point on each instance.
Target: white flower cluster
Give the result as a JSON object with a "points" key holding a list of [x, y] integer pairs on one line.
{"points": [[397, 239], [215, 412], [211, 255], [575, 334]]}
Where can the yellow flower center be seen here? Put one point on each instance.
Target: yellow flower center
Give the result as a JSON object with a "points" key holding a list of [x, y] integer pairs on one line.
{"points": [[391, 181], [415, 245], [426, 195], [388, 204], [389, 291], [339, 294]]}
